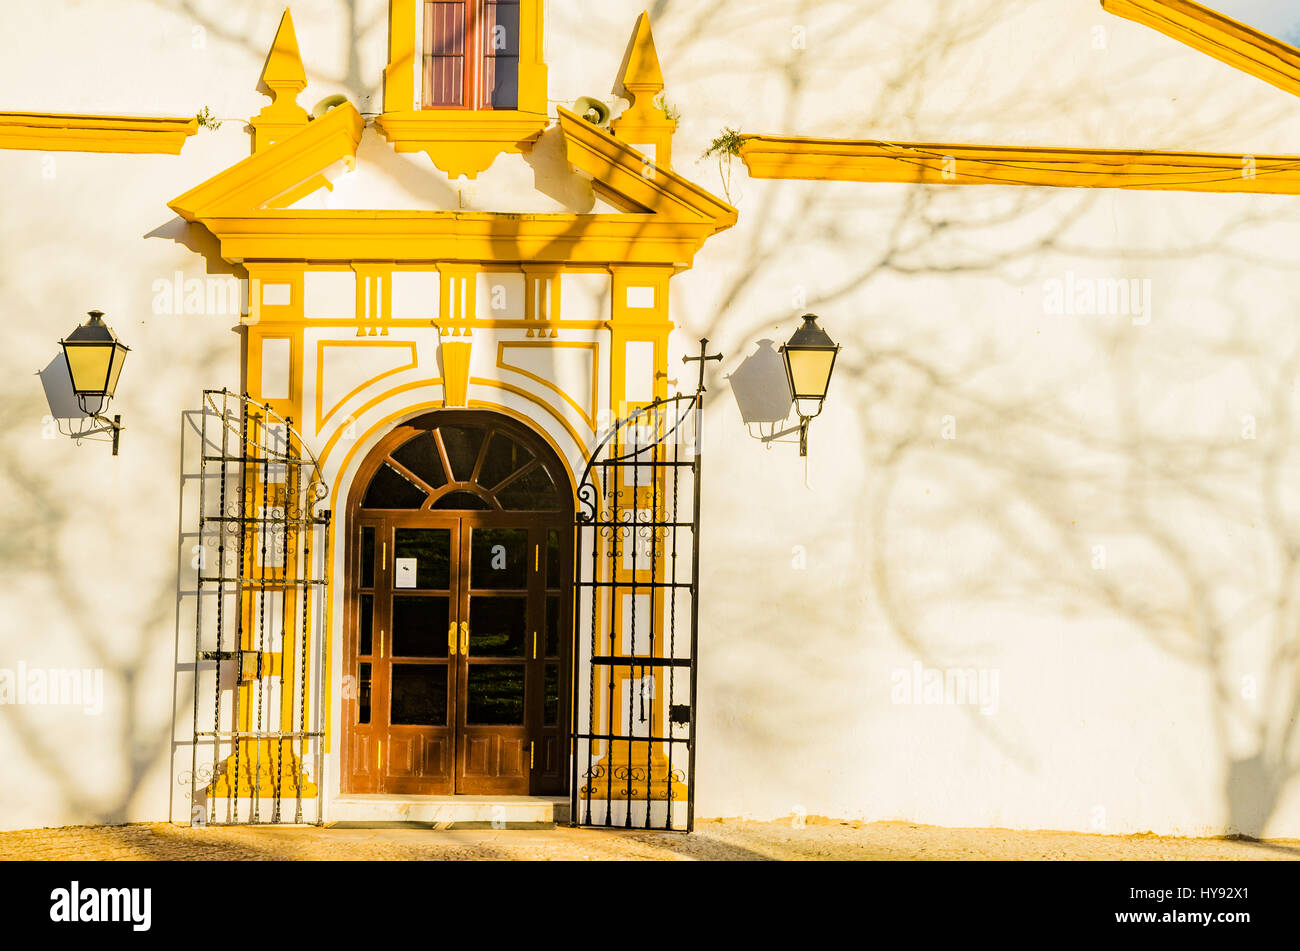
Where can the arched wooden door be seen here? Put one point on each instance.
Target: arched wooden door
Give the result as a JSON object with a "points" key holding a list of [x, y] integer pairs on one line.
{"points": [[459, 594]]}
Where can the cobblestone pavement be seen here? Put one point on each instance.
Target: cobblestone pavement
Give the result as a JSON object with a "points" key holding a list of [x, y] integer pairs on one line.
{"points": [[714, 839]]}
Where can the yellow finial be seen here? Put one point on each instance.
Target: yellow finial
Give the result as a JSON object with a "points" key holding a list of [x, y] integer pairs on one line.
{"points": [[284, 63], [284, 76], [641, 73], [646, 122], [642, 69]]}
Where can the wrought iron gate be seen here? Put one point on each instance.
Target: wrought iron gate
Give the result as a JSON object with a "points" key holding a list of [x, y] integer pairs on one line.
{"points": [[260, 595], [636, 620]]}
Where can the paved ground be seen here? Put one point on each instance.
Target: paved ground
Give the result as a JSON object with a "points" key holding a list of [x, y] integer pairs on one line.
{"points": [[718, 839]]}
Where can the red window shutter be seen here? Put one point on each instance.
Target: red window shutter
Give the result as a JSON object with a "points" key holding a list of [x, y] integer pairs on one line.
{"points": [[445, 27], [500, 85]]}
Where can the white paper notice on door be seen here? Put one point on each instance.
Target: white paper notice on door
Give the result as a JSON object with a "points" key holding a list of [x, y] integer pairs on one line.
{"points": [[404, 572]]}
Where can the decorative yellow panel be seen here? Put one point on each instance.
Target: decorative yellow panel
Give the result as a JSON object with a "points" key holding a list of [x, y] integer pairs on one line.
{"points": [[346, 367]]}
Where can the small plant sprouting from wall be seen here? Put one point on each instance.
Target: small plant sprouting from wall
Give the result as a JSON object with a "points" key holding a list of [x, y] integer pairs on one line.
{"points": [[207, 120], [726, 147]]}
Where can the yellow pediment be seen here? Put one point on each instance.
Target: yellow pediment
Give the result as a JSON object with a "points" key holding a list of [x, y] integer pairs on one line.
{"points": [[281, 173], [630, 179], [665, 218]]}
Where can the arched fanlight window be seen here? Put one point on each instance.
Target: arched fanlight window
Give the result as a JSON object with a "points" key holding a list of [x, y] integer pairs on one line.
{"points": [[464, 465]]}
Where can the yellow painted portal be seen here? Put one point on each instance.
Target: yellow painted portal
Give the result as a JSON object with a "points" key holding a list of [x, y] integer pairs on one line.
{"points": [[358, 319]]}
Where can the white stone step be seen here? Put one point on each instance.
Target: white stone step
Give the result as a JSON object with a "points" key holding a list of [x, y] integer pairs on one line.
{"points": [[447, 812]]}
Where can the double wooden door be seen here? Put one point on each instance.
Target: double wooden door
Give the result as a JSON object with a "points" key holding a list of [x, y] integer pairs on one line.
{"points": [[458, 651]]}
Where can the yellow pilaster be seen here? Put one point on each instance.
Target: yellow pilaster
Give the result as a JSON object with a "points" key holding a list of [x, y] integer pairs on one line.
{"points": [[269, 605], [639, 318], [399, 74]]}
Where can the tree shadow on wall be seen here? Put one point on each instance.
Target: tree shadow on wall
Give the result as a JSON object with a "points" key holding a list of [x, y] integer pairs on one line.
{"points": [[1028, 464]]}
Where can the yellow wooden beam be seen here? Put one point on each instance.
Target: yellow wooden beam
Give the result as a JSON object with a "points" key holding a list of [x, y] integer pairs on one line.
{"points": [[1216, 35], [51, 132], [768, 156]]}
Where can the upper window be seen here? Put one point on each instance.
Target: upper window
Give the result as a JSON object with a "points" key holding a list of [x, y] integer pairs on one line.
{"points": [[471, 54]]}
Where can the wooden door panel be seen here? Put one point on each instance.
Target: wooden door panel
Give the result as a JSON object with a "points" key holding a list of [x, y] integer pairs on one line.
{"points": [[512, 757], [364, 763], [492, 756], [416, 756], [478, 756], [493, 764], [405, 756], [418, 765], [547, 756]]}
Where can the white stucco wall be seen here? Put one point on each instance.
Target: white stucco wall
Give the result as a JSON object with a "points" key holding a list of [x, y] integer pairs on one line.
{"points": [[1109, 535]]}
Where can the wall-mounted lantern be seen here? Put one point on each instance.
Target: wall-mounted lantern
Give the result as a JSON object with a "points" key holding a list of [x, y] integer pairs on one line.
{"points": [[809, 361], [94, 356]]}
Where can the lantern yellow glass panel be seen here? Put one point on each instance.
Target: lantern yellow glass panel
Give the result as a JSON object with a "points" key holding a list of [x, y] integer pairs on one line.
{"points": [[810, 376], [809, 360], [94, 357]]}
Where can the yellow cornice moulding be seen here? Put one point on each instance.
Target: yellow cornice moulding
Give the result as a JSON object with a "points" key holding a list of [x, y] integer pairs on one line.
{"points": [[1216, 35], [451, 236], [279, 170], [628, 178], [788, 157], [58, 132]]}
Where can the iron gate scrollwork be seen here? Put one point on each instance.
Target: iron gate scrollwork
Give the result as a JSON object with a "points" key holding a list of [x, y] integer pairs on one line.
{"points": [[262, 539], [636, 620]]}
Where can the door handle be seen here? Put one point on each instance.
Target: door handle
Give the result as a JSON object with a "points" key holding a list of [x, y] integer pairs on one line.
{"points": [[451, 640], [464, 638]]}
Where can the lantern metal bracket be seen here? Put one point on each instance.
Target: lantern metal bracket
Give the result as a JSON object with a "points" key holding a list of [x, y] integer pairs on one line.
{"points": [[106, 425], [801, 428]]}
